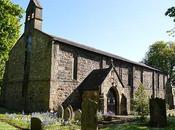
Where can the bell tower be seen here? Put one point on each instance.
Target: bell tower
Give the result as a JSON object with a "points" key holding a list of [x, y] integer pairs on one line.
{"points": [[33, 16]]}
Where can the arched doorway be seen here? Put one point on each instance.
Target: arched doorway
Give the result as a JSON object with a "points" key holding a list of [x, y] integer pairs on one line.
{"points": [[113, 102], [123, 105]]}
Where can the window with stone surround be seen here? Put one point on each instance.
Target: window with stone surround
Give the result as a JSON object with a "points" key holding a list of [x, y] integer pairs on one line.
{"points": [[141, 75], [120, 71], [130, 76], [74, 66], [163, 81], [158, 81]]}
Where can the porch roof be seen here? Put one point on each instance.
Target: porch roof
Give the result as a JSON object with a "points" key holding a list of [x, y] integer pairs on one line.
{"points": [[94, 79]]}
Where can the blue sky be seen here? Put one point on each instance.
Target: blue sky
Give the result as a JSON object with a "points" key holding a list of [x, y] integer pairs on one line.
{"points": [[120, 27]]}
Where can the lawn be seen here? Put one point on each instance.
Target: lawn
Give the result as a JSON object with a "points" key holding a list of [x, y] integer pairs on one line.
{"points": [[141, 126], [5, 126], [23, 121]]}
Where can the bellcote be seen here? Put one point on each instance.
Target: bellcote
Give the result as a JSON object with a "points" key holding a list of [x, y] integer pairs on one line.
{"points": [[33, 16]]}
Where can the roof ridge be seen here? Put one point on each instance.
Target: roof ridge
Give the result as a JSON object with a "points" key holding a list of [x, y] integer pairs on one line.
{"points": [[98, 51]]}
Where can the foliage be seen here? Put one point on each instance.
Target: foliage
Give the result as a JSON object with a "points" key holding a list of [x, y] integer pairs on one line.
{"points": [[161, 55], [171, 13], [47, 118], [141, 102], [10, 15]]}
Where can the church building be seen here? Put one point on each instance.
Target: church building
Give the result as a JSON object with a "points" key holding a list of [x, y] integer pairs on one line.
{"points": [[44, 71]]}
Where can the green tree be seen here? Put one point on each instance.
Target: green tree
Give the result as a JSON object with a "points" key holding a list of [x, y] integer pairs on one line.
{"points": [[10, 15], [161, 55], [171, 13], [141, 102]]}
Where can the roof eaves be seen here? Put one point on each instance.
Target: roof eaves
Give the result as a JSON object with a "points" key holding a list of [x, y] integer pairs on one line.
{"points": [[76, 44]]}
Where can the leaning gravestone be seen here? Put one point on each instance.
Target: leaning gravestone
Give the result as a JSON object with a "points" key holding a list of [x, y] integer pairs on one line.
{"points": [[60, 111], [77, 115], [89, 120], [36, 124], [158, 117], [67, 114]]}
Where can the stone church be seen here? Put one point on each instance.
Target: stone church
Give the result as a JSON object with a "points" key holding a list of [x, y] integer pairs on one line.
{"points": [[44, 71]]}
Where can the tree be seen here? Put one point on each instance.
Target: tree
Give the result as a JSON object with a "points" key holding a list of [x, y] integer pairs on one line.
{"points": [[171, 13], [141, 102], [161, 55], [10, 15]]}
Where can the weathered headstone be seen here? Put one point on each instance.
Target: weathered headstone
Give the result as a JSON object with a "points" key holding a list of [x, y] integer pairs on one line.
{"points": [[72, 112], [67, 114], [158, 113], [89, 120], [36, 124], [77, 115], [60, 111]]}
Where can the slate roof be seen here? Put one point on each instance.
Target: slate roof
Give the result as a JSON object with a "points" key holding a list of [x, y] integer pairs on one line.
{"points": [[94, 79], [81, 46], [100, 52]]}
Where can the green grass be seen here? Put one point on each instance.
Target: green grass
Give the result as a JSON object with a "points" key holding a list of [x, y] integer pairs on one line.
{"points": [[5, 126], [60, 127], [16, 122], [139, 126]]}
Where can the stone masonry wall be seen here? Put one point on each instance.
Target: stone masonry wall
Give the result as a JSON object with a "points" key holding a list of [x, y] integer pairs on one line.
{"points": [[39, 76], [14, 76], [63, 87]]}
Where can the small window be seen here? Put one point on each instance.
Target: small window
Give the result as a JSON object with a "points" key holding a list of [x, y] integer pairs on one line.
{"points": [[141, 76], [28, 18], [120, 72], [33, 15], [74, 67], [158, 81], [130, 76], [164, 82]]}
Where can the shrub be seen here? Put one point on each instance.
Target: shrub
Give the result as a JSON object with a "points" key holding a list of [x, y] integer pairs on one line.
{"points": [[140, 102]]}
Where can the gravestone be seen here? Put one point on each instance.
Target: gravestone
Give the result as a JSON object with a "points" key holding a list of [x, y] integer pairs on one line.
{"points": [[36, 124], [89, 120], [72, 112], [77, 115], [60, 111], [158, 117], [67, 114]]}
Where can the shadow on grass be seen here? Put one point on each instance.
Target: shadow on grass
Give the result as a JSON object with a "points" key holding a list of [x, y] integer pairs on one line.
{"points": [[141, 126]]}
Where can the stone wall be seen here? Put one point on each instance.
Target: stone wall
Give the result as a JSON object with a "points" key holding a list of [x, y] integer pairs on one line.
{"points": [[112, 81], [63, 86], [39, 76], [14, 76]]}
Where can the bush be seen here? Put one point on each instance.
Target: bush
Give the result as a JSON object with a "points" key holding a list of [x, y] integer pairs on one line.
{"points": [[141, 103]]}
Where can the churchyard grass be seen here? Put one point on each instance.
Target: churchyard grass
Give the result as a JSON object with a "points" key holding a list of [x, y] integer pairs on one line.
{"points": [[51, 123], [141, 126], [5, 126]]}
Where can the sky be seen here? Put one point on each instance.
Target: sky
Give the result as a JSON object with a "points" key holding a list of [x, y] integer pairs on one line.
{"points": [[122, 27]]}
